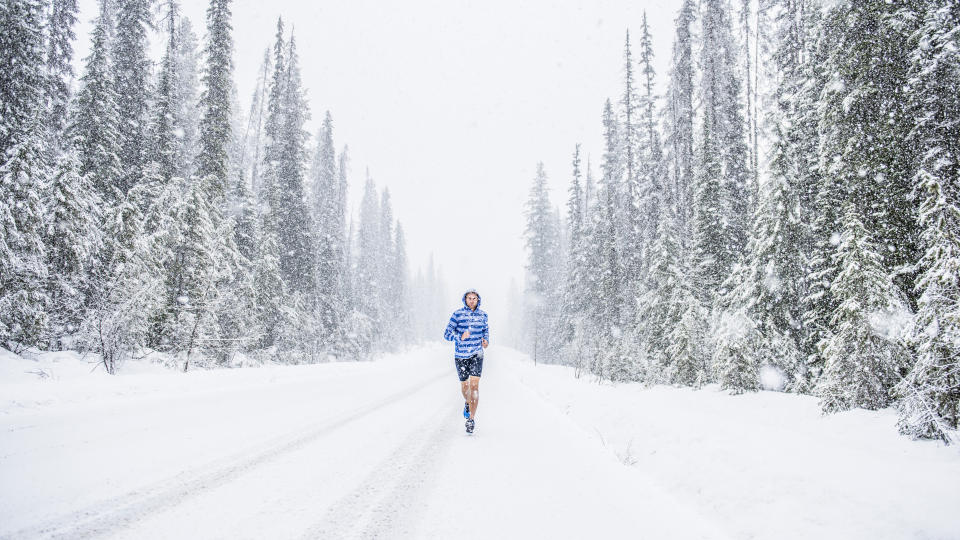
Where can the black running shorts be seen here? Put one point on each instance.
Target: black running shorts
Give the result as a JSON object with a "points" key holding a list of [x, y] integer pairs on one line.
{"points": [[467, 367]]}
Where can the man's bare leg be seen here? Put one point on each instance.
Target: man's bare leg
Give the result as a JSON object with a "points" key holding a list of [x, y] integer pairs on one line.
{"points": [[474, 397]]}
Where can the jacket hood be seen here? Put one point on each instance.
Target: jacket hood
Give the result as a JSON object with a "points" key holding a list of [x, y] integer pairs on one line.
{"points": [[468, 291]]}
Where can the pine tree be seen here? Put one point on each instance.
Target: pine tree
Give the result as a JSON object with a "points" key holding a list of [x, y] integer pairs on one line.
{"points": [[794, 67], [24, 173], [23, 295], [22, 77], [542, 243], [736, 358], [400, 290], [863, 360], [722, 182], [367, 275], [94, 124], [864, 125], [651, 150], [60, 35], [329, 231], [185, 116], [126, 281], [680, 147], [930, 395], [630, 209], [72, 238], [164, 137], [131, 78], [258, 105], [293, 218], [578, 271], [385, 272], [215, 101], [659, 309]]}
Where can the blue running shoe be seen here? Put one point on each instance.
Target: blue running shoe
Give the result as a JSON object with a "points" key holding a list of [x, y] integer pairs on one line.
{"points": [[466, 409]]}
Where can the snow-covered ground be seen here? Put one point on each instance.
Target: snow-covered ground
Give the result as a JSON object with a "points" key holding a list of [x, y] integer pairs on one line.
{"points": [[377, 449]]}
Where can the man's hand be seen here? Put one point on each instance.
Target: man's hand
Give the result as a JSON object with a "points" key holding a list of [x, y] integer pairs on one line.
{"points": [[484, 343], [465, 335]]}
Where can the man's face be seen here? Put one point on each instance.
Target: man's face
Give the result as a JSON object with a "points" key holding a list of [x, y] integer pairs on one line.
{"points": [[472, 301]]}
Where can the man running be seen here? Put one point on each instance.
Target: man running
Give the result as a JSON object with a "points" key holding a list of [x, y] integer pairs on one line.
{"points": [[469, 331]]}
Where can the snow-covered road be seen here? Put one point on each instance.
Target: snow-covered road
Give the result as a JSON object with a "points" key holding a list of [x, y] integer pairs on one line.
{"points": [[328, 451]]}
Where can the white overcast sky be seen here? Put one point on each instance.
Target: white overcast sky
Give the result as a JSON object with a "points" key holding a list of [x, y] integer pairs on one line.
{"points": [[451, 104]]}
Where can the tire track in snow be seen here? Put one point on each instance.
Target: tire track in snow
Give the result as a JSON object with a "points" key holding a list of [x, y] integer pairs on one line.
{"points": [[385, 504], [117, 513]]}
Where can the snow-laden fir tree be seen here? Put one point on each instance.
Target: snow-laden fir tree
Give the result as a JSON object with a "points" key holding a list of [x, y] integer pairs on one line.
{"points": [[215, 100], [791, 121], [293, 218], [736, 358], [329, 232], [164, 129], [659, 304], [127, 284], [542, 241], [72, 239], [94, 123], [23, 79], [605, 297], [346, 284], [59, 60], [630, 214], [400, 291], [679, 115], [930, 394], [865, 124], [723, 188], [24, 173], [864, 357], [367, 288], [386, 274], [652, 170], [258, 111], [131, 78], [185, 117], [573, 328], [687, 347]]}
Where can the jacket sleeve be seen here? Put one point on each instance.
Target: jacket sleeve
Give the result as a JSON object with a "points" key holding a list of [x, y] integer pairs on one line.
{"points": [[486, 329], [450, 334]]}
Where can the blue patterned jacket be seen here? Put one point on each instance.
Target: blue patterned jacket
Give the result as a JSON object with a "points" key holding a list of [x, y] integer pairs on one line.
{"points": [[465, 319]]}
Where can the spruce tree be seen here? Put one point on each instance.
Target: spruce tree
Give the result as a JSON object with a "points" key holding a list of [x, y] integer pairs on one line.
{"points": [[723, 190], [329, 230], [577, 273], [60, 36], [131, 79], [72, 238], [542, 242], [630, 207], [652, 168], [679, 139], [24, 173], [164, 128], [23, 292], [367, 275], [215, 129], [185, 116], [292, 217], [94, 126], [23, 81], [930, 395], [863, 360]]}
